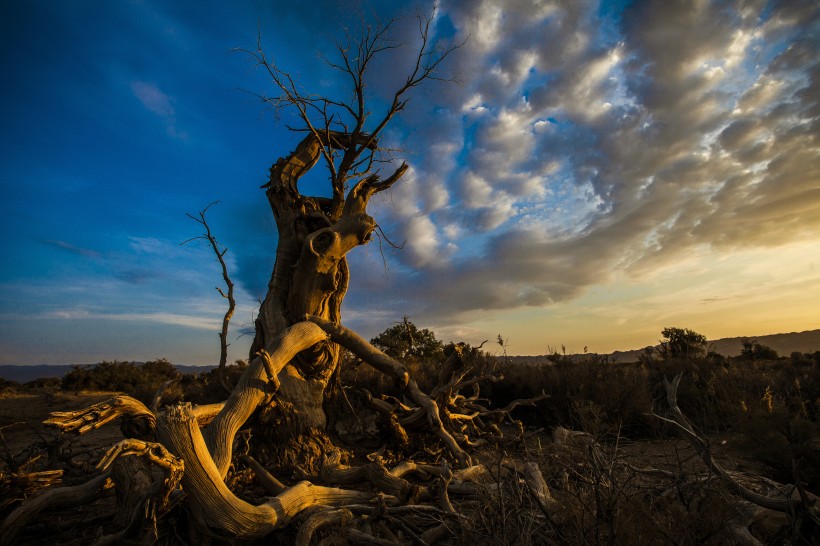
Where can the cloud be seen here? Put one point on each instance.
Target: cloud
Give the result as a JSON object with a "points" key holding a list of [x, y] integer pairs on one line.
{"points": [[157, 102], [85, 252], [577, 148], [581, 145], [188, 321]]}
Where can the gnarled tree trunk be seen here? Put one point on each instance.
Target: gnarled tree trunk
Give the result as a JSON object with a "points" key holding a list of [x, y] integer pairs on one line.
{"points": [[310, 277]]}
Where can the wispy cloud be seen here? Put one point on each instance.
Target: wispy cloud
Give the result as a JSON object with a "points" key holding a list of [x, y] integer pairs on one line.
{"points": [[157, 102], [188, 321], [85, 252]]}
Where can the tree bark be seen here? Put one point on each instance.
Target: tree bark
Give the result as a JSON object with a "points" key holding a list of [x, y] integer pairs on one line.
{"points": [[310, 277]]}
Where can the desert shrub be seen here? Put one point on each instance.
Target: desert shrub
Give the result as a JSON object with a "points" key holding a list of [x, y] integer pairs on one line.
{"points": [[404, 339], [508, 515], [6, 385], [43, 384], [138, 380], [778, 422], [752, 350], [682, 343], [799, 358], [601, 497], [599, 398], [205, 388]]}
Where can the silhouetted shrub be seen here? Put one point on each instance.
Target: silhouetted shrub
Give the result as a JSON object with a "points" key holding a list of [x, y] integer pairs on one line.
{"points": [[7, 385], [752, 350], [138, 380]]}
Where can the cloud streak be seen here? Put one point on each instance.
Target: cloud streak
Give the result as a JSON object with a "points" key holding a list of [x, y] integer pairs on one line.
{"points": [[157, 102], [188, 321]]}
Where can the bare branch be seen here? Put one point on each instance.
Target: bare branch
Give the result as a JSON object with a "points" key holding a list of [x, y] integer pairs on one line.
{"points": [[321, 116], [779, 504]]}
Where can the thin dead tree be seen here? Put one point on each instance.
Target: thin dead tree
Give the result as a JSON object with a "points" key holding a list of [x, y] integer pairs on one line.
{"points": [[219, 251]]}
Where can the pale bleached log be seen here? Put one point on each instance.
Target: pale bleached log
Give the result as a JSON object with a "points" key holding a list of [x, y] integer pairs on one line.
{"points": [[251, 389], [227, 513]]}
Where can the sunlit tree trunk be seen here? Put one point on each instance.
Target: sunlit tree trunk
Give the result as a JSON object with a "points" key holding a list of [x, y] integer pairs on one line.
{"points": [[310, 277]]}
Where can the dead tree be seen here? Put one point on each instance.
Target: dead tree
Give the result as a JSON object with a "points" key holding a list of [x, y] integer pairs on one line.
{"points": [[186, 452], [219, 252], [311, 275]]}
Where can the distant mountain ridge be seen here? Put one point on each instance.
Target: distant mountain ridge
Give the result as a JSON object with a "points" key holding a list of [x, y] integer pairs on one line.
{"points": [[24, 374]]}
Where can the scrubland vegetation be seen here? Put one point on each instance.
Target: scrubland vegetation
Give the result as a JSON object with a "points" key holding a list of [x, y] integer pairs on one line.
{"points": [[617, 469]]}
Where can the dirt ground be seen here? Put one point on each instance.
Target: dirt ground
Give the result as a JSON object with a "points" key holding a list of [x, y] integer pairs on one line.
{"points": [[24, 437], [22, 429]]}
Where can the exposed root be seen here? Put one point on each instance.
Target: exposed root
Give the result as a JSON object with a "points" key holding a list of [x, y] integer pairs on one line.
{"points": [[322, 517], [51, 499], [383, 363], [226, 512], [98, 415], [153, 452]]}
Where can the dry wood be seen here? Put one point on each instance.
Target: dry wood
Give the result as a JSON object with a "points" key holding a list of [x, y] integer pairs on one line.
{"points": [[375, 473], [383, 363], [219, 252], [226, 512], [252, 389], [28, 483], [93, 417], [50, 499], [322, 517], [805, 501], [264, 478]]}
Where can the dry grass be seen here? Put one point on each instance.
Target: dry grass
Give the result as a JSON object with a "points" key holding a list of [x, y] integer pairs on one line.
{"points": [[761, 416]]}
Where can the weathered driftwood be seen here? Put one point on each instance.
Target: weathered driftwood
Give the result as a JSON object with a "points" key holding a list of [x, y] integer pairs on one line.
{"points": [[206, 489], [51, 499], [95, 416], [791, 500]]}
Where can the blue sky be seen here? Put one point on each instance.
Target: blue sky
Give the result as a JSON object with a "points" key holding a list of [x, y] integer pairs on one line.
{"points": [[598, 171]]}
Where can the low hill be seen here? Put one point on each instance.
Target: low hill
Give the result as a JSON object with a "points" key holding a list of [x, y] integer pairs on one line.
{"points": [[24, 374], [784, 344]]}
